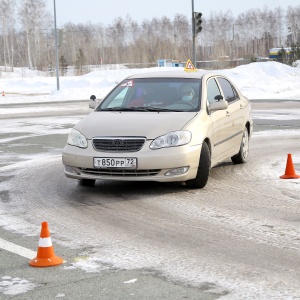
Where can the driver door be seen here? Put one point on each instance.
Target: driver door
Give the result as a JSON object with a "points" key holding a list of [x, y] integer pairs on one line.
{"points": [[221, 124]]}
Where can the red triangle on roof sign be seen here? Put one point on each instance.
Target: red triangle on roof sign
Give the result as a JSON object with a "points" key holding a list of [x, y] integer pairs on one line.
{"points": [[189, 67]]}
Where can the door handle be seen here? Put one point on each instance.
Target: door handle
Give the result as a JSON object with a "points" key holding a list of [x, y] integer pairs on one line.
{"points": [[227, 113], [241, 106]]}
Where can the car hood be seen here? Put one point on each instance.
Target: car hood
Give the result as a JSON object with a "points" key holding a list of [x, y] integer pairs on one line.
{"points": [[147, 124]]}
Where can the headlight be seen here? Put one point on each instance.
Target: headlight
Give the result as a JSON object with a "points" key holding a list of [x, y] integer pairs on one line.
{"points": [[77, 139], [172, 139]]}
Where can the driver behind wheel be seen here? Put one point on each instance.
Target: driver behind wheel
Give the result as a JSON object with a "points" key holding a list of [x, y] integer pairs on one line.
{"points": [[187, 94]]}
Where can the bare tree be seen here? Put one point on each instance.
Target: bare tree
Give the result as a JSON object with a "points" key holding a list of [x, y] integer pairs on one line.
{"points": [[124, 41], [80, 61], [293, 24], [34, 18], [7, 26]]}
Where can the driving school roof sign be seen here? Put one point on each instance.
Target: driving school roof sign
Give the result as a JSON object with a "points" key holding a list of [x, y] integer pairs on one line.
{"points": [[189, 67]]}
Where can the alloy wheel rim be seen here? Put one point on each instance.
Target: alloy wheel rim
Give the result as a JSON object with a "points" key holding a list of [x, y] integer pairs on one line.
{"points": [[245, 147]]}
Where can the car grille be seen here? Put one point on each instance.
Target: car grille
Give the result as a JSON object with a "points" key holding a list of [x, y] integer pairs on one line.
{"points": [[119, 172], [118, 144]]}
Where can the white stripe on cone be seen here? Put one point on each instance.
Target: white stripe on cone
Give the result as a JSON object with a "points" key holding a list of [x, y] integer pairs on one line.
{"points": [[45, 242]]}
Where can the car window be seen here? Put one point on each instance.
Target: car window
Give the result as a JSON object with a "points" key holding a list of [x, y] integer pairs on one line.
{"points": [[118, 98], [229, 92], [212, 90], [144, 94]]}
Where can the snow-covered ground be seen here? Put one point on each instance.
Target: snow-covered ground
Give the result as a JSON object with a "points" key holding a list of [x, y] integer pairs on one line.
{"points": [[261, 80]]}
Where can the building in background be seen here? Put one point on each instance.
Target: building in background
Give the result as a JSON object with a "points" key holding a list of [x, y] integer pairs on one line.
{"points": [[170, 63]]}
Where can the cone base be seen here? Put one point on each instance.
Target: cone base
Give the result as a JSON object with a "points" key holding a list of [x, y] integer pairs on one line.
{"points": [[46, 262], [295, 176]]}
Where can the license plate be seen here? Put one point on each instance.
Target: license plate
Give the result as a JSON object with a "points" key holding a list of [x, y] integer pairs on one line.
{"points": [[113, 162]]}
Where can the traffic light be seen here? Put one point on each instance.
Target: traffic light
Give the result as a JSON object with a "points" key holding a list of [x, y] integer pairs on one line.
{"points": [[197, 22]]}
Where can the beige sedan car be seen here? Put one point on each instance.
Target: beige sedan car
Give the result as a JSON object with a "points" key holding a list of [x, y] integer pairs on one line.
{"points": [[161, 126]]}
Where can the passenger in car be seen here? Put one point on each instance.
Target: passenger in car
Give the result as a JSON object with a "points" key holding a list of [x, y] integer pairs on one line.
{"points": [[148, 95]]}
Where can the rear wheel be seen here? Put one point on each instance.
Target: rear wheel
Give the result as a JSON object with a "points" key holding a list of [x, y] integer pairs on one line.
{"points": [[241, 157], [203, 169], [86, 182]]}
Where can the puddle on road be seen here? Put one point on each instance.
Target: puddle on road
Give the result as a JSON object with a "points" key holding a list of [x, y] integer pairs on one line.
{"points": [[23, 139], [261, 127], [22, 147], [4, 196]]}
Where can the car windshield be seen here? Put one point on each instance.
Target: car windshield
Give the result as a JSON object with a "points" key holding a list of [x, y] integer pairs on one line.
{"points": [[154, 94]]}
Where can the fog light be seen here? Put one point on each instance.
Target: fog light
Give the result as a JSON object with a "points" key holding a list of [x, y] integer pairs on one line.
{"points": [[177, 171], [70, 170]]}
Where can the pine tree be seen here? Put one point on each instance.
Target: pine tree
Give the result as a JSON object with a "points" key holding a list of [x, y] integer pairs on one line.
{"points": [[63, 65], [80, 60]]}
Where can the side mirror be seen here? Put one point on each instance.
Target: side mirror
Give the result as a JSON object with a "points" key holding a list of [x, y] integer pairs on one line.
{"points": [[220, 105], [93, 102], [218, 97]]}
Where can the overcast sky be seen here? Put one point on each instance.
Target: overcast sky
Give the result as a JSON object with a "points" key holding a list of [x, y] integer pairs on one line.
{"points": [[97, 11]]}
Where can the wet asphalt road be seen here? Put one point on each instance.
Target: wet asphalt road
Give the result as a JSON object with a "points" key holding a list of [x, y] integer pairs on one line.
{"points": [[236, 239]]}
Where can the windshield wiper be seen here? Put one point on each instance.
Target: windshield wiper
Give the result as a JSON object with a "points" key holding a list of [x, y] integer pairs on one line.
{"points": [[150, 108], [139, 108], [120, 108]]}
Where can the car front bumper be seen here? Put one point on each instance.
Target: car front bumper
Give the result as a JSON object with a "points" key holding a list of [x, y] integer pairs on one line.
{"points": [[152, 165]]}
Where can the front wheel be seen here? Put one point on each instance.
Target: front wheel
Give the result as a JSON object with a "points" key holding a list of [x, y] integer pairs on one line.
{"points": [[203, 169], [241, 157]]}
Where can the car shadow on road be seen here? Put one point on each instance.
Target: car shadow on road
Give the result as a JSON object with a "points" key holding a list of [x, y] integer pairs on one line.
{"points": [[105, 191], [116, 191]]}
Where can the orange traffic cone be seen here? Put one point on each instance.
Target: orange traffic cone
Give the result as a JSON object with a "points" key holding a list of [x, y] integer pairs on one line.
{"points": [[45, 254], [3, 94], [290, 170]]}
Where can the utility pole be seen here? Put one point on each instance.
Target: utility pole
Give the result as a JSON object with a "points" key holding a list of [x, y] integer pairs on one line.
{"points": [[56, 48]]}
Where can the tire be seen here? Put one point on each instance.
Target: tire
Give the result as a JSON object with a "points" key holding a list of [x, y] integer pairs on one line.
{"points": [[86, 182], [203, 169], [241, 157]]}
